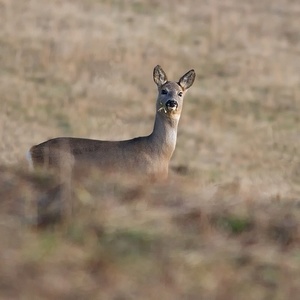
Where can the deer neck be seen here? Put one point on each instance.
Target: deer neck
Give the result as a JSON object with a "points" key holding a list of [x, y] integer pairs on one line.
{"points": [[164, 135]]}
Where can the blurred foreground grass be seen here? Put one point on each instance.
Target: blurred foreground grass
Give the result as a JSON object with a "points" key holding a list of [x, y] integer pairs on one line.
{"points": [[139, 241]]}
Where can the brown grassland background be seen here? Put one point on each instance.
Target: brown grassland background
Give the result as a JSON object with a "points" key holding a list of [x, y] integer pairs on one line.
{"points": [[226, 225]]}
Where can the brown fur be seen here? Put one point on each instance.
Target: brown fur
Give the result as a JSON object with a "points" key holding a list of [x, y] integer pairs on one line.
{"points": [[149, 155]]}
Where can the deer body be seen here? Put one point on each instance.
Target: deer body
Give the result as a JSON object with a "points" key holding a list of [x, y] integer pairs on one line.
{"points": [[148, 155]]}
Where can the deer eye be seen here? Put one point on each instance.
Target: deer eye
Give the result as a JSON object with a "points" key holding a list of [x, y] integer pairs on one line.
{"points": [[164, 92], [180, 94]]}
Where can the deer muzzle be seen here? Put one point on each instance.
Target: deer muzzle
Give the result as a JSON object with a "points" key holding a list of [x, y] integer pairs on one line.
{"points": [[171, 105]]}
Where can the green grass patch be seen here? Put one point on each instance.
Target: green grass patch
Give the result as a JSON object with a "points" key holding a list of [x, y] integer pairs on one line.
{"points": [[128, 243], [234, 224]]}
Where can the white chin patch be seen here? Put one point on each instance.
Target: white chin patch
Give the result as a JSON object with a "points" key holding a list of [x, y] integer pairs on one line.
{"points": [[167, 109]]}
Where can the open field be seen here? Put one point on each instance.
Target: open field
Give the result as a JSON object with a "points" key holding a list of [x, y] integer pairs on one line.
{"points": [[226, 225]]}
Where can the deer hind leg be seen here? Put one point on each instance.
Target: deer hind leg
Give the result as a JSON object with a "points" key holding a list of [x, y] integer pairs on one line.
{"points": [[56, 204]]}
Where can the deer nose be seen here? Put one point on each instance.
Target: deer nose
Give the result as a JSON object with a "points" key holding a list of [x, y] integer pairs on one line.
{"points": [[172, 104]]}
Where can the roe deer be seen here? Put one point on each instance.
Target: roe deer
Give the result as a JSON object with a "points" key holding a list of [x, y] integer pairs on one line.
{"points": [[149, 155]]}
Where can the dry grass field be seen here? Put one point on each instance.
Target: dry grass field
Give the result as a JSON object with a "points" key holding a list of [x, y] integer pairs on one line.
{"points": [[226, 225]]}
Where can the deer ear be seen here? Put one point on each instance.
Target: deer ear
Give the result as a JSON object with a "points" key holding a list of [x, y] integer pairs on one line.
{"points": [[187, 79], [159, 76]]}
